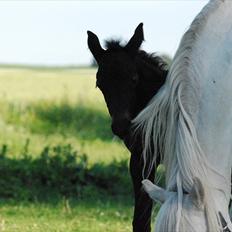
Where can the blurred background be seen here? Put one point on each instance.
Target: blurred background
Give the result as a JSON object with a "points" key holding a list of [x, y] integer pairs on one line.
{"points": [[61, 168]]}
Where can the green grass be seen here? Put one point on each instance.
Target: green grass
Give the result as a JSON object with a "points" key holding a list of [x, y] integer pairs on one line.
{"points": [[66, 216], [54, 107]]}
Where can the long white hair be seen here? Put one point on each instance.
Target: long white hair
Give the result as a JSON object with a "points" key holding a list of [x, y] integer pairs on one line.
{"points": [[168, 126]]}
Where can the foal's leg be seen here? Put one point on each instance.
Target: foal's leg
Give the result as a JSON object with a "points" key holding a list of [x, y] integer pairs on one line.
{"points": [[143, 203]]}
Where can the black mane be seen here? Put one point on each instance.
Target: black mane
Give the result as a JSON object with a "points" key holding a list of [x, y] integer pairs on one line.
{"points": [[150, 59], [153, 60]]}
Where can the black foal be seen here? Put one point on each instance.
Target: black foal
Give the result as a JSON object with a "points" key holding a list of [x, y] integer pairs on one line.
{"points": [[128, 78]]}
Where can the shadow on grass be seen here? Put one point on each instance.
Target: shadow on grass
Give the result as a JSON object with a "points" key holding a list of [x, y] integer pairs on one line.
{"points": [[84, 122], [64, 118], [60, 172]]}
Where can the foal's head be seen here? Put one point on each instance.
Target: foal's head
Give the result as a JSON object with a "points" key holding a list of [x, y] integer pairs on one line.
{"points": [[119, 78]]}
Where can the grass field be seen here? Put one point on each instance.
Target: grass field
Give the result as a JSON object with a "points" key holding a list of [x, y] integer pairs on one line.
{"points": [[83, 217], [53, 106], [43, 108]]}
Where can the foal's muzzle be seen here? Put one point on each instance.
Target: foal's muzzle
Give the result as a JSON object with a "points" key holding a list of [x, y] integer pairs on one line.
{"points": [[121, 126]]}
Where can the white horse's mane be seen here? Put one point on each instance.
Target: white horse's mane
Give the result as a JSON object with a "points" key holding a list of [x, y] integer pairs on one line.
{"points": [[168, 121]]}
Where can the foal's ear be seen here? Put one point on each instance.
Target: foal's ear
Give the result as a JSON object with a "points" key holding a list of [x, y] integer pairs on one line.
{"points": [[94, 46], [197, 193], [136, 40], [155, 193]]}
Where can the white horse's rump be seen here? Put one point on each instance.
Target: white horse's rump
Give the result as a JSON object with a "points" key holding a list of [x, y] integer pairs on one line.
{"points": [[190, 123]]}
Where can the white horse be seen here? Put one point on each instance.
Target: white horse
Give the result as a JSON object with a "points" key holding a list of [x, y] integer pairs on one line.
{"points": [[190, 123]]}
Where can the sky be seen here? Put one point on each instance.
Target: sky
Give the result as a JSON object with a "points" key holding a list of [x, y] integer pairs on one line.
{"points": [[54, 32]]}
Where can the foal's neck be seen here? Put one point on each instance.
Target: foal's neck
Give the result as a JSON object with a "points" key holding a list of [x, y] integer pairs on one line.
{"points": [[152, 75]]}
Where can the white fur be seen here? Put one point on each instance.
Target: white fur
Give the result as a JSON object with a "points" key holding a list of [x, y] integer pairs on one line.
{"points": [[190, 122], [155, 192]]}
